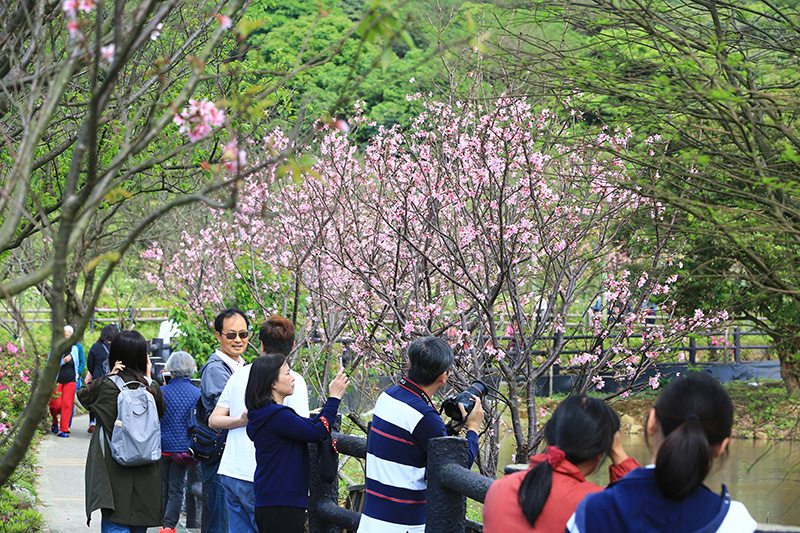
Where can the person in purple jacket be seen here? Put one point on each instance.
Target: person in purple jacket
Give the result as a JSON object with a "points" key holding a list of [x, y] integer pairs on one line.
{"points": [[280, 436]]}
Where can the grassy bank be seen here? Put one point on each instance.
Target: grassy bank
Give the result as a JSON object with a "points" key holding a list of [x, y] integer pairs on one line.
{"points": [[761, 410]]}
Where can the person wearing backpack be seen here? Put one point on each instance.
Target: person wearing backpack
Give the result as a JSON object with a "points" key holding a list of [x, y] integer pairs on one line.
{"points": [[128, 497], [97, 360]]}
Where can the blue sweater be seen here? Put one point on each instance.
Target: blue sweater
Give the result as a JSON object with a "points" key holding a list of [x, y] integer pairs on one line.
{"points": [[280, 436], [179, 397], [635, 503]]}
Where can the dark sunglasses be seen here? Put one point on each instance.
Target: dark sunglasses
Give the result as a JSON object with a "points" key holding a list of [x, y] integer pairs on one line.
{"points": [[232, 335]]}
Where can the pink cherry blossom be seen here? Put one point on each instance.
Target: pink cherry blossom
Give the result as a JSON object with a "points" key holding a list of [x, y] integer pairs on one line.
{"points": [[198, 119], [86, 6], [107, 52], [224, 21], [234, 158], [156, 32], [199, 131], [70, 7], [73, 28], [407, 235]]}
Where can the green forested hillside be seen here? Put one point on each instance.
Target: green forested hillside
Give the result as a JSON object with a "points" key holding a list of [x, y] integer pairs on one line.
{"points": [[435, 37]]}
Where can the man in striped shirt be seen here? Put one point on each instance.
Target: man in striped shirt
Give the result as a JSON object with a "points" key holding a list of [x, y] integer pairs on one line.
{"points": [[397, 448]]}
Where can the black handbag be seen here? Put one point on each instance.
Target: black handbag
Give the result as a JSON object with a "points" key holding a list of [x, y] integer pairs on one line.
{"points": [[205, 443], [328, 465]]}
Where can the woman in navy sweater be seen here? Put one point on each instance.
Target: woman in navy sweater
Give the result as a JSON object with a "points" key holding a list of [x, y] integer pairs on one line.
{"points": [[691, 426], [280, 436], [180, 397]]}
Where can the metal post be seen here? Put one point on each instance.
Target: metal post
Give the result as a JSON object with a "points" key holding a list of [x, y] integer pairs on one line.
{"points": [[324, 514], [446, 509], [737, 345], [321, 494], [194, 497], [692, 350]]}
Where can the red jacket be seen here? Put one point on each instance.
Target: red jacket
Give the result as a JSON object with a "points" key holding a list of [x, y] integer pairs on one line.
{"points": [[503, 514]]}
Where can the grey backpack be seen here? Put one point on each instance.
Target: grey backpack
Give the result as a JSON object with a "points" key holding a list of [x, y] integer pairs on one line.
{"points": [[136, 439]]}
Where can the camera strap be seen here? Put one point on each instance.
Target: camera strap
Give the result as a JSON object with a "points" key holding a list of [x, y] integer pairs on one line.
{"points": [[412, 387]]}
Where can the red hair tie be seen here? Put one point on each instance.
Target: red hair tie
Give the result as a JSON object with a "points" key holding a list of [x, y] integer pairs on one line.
{"points": [[555, 456]]}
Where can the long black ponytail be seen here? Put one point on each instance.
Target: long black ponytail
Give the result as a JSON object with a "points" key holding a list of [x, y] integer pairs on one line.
{"points": [[580, 429], [694, 413]]}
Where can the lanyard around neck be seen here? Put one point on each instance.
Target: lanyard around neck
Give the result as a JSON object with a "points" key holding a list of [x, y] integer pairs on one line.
{"points": [[413, 388]]}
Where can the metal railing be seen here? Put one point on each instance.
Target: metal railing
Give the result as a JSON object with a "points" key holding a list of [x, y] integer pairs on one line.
{"points": [[129, 314]]}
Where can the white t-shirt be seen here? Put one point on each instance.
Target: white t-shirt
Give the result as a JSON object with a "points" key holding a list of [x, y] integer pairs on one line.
{"points": [[239, 457]]}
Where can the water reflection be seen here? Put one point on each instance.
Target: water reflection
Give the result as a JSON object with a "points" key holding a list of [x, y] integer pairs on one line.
{"points": [[763, 475]]}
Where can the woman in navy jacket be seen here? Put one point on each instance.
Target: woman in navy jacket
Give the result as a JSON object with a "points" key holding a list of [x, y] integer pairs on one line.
{"points": [[280, 436], [180, 397], [690, 425]]}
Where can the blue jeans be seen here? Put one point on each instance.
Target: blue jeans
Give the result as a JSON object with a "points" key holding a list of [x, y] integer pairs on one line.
{"points": [[217, 519], [107, 526], [173, 478], [241, 505]]}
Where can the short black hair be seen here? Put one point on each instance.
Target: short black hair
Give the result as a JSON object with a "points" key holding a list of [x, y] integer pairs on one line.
{"points": [[428, 358], [108, 333], [277, 335], [263, 375], [227, 313]]}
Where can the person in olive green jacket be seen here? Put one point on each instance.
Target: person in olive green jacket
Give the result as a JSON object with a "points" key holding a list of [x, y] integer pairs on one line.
{"points": [[129, 498]]}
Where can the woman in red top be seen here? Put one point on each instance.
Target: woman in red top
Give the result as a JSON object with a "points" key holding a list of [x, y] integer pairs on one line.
{"points": [[581, 432]]}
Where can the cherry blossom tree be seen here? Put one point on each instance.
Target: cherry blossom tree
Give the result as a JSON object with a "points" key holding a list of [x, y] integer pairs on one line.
{"points": [[486, 224], [115, 114]]}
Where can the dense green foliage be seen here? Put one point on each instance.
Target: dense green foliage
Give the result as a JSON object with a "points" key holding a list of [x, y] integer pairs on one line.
{"points": [[435, 36]]}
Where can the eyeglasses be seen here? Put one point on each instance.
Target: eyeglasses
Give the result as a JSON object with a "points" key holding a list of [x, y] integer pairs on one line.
{"points": [[232, 335]]}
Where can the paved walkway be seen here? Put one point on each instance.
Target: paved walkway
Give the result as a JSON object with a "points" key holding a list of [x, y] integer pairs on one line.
{"points": [[61, 481]]}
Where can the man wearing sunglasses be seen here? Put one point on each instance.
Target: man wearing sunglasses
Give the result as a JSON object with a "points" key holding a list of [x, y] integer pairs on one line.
{"points": [[231, 329], [238, 464]]}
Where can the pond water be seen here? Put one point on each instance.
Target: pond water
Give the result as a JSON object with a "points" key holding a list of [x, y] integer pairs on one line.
{"points": [[763, 475]]}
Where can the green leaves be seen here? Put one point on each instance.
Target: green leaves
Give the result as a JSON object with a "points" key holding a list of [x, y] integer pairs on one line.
{"points": [[108, 256], [246, 27], [298, 167], [117, 195], [383, 20]]}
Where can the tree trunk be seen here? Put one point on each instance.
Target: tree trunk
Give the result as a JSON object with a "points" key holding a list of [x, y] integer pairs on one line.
{"points": [[787, 346], [513, 407], [789, 373]]}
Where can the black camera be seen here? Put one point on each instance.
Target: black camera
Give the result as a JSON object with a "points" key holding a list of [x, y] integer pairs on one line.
{"points": [[450, 404]]}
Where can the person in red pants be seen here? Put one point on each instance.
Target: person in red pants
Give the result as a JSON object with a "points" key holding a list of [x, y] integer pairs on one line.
{"points": [[63, 400]]}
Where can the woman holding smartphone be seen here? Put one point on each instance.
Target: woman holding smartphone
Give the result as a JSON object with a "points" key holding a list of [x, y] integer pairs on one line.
{"points": [[280, 437]]}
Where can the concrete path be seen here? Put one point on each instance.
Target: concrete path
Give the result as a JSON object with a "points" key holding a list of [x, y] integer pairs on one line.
{"points": [[61, 481]]}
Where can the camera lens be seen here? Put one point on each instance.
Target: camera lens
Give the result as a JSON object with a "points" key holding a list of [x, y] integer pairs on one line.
{"points": [[478, 388]]}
